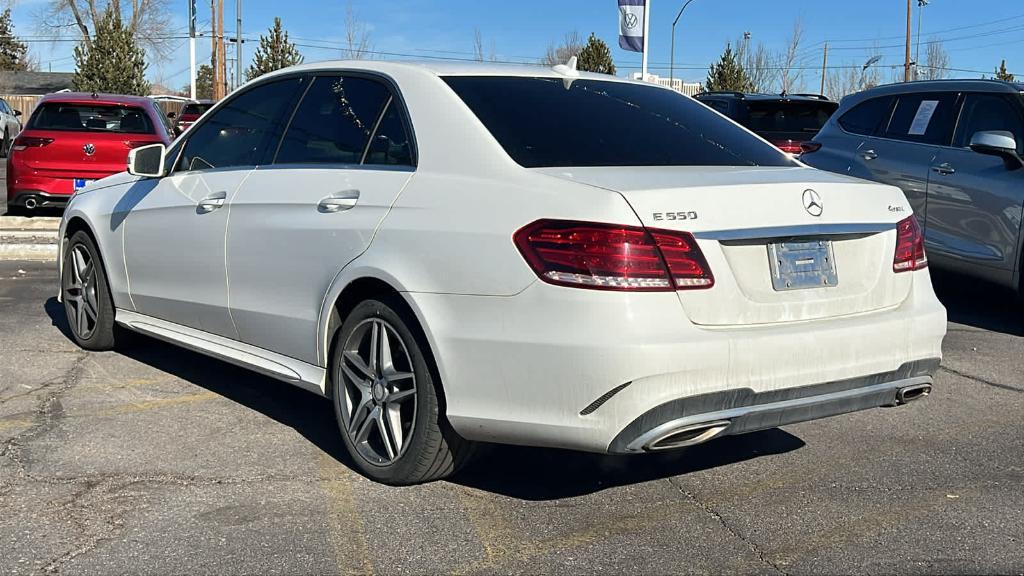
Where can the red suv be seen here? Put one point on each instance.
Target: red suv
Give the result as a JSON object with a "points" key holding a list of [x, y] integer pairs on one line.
{"points": [[72, 139]]}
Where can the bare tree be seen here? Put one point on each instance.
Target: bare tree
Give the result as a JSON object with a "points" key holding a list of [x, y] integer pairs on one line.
{"points": [[358, 45], [478, 45], [571, 46], [851, 78], [148, 20], [790, 74], [936, 61], [759, 64]]}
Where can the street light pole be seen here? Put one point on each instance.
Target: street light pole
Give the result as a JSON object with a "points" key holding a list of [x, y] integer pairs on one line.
{"points": [[672, 58], [917, 56]]}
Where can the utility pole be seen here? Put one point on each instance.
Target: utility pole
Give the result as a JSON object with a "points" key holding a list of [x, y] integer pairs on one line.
{"points": [[906, 63], [238, 43], [215, 58], [917, 51], [647, 34], [192, 48], [824, 68], [223, 53]]}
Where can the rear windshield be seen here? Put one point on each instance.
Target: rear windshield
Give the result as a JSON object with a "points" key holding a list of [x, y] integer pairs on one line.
{"points": [[777, 116], [542, 122], [91, 118], [197, 109]]}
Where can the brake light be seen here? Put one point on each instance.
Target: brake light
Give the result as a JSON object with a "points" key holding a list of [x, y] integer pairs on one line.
{"points": [[612, 257], [909, 247], [788, 146], [810, 147], [23, 142], [137, 143]]}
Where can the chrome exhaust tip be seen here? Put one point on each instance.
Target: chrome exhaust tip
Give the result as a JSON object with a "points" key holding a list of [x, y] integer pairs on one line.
{"points": [[911, 393], [688, 435], [31, 203]]}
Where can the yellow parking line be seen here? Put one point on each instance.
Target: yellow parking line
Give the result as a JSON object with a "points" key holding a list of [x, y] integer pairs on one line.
{"points": [[14, 423], [347, 530], [161, 403]]}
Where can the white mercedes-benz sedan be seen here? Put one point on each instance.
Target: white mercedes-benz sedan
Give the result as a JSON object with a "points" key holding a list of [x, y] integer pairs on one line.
{"points": [[455, 253]]}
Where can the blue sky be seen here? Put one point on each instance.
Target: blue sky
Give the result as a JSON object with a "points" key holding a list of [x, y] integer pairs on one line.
{"points": [[976, 33]]}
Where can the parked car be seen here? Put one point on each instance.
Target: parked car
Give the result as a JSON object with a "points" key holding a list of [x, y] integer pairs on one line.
{"points": [[10, 123], [459, 252], [954, 147], [784, 120], [189, 114], [73, 139]]}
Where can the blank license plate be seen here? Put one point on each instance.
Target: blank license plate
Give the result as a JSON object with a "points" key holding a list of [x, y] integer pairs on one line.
{"points": [[800, 265]]}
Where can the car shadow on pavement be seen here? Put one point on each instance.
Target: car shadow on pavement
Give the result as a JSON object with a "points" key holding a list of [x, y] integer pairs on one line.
{"points": [[513, 471], [972, 302]]}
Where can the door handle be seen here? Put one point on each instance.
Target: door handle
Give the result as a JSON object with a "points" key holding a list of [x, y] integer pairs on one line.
{"points": [[945, 169], [869, 154], [211, 202], [339, 202]]}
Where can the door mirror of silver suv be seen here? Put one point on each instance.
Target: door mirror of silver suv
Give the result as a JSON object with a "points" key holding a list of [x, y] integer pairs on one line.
{"points": [[147, 161], [998, 143]]}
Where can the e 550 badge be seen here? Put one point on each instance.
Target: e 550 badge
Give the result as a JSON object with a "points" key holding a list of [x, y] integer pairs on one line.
{"points": [[675, 216]]}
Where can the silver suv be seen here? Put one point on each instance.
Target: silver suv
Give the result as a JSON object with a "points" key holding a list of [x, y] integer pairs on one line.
{"points": [[954, 147]]}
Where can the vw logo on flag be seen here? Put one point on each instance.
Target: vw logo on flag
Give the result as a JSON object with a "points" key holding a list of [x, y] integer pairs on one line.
{"points": [[631, 24], [631, 21]]}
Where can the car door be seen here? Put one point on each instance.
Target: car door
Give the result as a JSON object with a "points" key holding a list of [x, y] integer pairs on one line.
{"points": [[907, 145], [975, 202], [346, 155], [174, 227]]}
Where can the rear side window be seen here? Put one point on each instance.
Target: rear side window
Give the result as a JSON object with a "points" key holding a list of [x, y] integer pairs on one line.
{"points": [[544, 122], [242, 130], [923, 118], [334, 121], [791, 116], [91, 118], [867, 117], [391, 144]]}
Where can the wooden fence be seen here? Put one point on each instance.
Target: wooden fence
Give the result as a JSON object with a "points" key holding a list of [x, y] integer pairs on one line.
{"points": [[26, 104]]}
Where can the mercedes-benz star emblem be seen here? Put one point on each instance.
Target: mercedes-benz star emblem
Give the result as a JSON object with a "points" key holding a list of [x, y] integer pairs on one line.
{"points": [[631, 21], [89, 149], [812, 203]]}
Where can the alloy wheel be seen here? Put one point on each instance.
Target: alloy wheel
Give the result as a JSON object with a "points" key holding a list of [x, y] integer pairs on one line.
{"points": [[80, 294], [379, 386]]}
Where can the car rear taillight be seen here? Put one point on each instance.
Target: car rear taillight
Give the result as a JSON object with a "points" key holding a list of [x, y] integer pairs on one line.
{"points": [[788, 146], [612, 257], [23, 142], [909, 247], [138, 143], [810, 147]]}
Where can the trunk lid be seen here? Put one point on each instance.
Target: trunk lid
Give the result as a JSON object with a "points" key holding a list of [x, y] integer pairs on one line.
{"points": [[740, 218]]}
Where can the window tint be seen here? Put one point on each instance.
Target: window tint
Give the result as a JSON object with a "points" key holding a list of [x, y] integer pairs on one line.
{"points": [[334, 121], [865, 118], [552, 122], [718, 105], [195, 109], [90, 118], [983, 112], [241, 131], [924, 118], [391, 145], [793, 116]]}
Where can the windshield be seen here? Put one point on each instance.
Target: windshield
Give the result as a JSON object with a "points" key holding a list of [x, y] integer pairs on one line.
{"points": [[90, 118], [792, 116], [195, 109], [543, 122]]}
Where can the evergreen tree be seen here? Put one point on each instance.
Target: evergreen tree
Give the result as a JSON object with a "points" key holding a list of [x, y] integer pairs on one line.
{"points": [[275, 52], [596, 57], [13, 53], [1002, 74], [114, 62], [728, 74], [204, 82]]}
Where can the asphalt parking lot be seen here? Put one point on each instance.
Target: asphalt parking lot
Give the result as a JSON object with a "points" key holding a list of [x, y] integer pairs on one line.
{"points": [[158, 460]]}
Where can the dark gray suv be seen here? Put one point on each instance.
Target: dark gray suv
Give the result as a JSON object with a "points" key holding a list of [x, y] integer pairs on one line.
{"points": [[954, 147]]}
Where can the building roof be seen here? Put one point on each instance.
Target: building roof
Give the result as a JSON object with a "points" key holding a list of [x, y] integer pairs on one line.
{"points": [[34, 83]]}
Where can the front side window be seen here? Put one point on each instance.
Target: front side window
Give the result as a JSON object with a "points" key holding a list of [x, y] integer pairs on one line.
{"points": [[549, 122], [334, 122], [865, 118], [241, 132], [71, 117], [923, 118], [990, 112]]}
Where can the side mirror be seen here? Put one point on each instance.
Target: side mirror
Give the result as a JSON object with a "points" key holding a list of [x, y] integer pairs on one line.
{"points": [[998, 143], [147, 161], [17, 112], [172, 115]]}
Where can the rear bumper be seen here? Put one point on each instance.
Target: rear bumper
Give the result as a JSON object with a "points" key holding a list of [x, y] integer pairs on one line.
{"points": [[571, 368], [42, 199]]}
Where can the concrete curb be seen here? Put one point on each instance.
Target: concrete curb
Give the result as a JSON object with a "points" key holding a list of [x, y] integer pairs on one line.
{"points": [[36, 252], [8, 223]]}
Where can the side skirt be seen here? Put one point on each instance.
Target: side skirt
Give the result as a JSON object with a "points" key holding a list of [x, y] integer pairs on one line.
{"points": [[284, 368]]}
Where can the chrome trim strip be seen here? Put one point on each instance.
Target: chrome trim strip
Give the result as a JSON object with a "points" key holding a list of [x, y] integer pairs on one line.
{"points": [[796, 231], [638, 444]]}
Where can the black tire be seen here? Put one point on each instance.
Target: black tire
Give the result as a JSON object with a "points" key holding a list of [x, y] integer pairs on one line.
{"points": [[5, 149], [92, 292], [433, 450]]}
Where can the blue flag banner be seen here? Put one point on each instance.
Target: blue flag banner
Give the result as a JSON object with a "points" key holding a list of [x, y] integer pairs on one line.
{"points": [[631, 24]]}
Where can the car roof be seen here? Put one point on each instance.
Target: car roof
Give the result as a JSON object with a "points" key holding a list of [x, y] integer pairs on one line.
{"points": [[759, 97], [87, 98], [940, 86]]}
